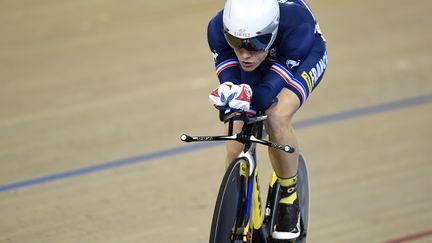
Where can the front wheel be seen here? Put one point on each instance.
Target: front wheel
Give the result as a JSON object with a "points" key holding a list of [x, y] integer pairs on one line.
{"points": [[228, 214]]}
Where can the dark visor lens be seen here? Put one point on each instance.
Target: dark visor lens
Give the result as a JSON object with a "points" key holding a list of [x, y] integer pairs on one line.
{"points": [[258, 43]]}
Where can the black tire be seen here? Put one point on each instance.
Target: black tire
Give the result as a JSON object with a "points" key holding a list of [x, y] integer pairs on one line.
{"points": [[303, 194], [228, 213]]}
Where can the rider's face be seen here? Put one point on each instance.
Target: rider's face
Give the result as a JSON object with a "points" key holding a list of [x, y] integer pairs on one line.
{"points": [[250, 60]]}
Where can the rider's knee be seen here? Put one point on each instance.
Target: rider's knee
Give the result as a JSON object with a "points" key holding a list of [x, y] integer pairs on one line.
{"points": [[281, 115], [233, 149], [279, 119], [277, 124]]}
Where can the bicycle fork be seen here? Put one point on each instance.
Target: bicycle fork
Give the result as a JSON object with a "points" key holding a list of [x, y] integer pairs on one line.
{"points": [[255, 231], [264, 228]]}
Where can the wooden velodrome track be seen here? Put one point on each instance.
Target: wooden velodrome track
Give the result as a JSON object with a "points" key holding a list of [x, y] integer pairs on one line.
{"points": [[94, 95]]}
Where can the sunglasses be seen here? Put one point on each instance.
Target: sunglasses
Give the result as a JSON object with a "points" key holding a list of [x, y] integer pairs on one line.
{"points": [[257, 43]]}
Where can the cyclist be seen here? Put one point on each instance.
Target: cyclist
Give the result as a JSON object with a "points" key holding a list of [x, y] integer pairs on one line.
{"points": [[268, 50]]}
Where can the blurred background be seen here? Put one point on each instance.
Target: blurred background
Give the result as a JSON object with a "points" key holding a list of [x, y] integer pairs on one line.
{"points": [[95, 94]]}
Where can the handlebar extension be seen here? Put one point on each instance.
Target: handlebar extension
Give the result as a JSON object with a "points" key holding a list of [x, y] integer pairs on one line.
{"points": [[239, 138]]}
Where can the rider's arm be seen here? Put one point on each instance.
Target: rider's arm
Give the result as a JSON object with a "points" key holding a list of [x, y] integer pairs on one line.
{"points": [[226, 63], [283, 73]]}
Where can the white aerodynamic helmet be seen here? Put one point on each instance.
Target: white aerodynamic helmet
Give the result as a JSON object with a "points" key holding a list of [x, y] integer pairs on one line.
{"points": [[251, 24]]}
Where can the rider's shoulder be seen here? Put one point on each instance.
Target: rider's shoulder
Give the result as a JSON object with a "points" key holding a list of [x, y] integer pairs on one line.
{"points": [[217, 20], [215, 28], [294, 13]]}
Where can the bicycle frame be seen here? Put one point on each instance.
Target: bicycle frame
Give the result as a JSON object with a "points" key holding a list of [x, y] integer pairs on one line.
{"points": [[253, 210], [258, 223], [256, 226]]}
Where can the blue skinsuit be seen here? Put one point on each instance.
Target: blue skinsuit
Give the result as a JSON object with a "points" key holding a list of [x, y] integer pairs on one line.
{"points": [[296, 60]]}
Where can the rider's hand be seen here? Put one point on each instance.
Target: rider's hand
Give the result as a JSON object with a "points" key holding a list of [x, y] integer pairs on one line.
{"points": [[219, 96], [236, 96], [242, 97]]}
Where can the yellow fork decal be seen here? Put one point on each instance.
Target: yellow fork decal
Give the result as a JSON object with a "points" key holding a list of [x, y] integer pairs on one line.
{"points": [[273, 179], [246, 232], [243, 169]]}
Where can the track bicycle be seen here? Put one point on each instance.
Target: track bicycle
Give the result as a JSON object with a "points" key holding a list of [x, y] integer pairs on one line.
{"points": [[238, 216]]}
